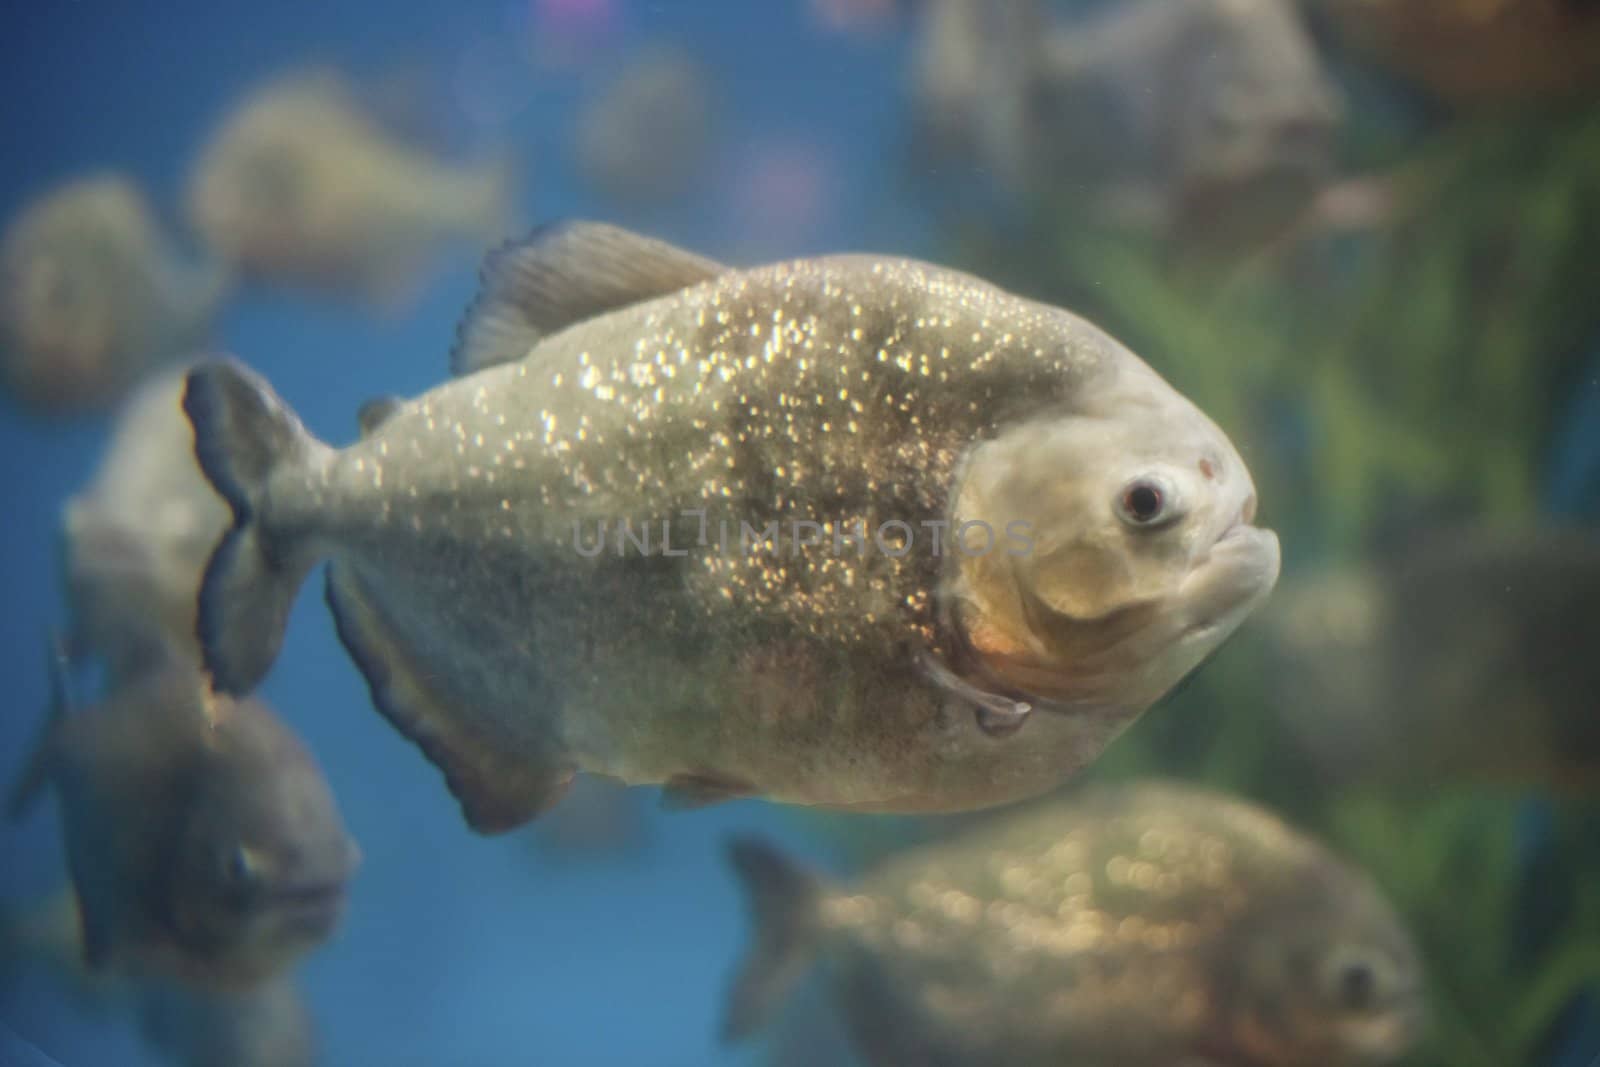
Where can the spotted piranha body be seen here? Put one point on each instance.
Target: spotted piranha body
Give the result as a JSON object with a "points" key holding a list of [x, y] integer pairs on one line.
{"points": [[591, 550]]}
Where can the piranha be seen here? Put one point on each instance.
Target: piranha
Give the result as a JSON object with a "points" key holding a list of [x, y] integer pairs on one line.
{"points": [[982, 535], [647, 136], [1209, 121], [93, 295], [1136, 925], [193, 1025], [302, 186], [203, 842], [1467, 655], [1480, 53], [137, 539]]}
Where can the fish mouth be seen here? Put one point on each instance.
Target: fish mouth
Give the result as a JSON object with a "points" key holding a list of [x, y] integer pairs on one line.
{"points": [[1234, 577], [312, 908], [1394, 1028], [1217, 594]]}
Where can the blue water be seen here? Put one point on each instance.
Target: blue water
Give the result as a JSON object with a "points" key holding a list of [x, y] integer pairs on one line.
{"points": [[457, 949]]}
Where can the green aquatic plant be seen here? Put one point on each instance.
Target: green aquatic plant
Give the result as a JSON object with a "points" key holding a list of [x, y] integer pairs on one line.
{"points": [[1373, 379]]}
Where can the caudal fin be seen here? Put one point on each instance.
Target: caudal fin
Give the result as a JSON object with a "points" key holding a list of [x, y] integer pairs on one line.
{"points": [[243, 435], [783, 901]]}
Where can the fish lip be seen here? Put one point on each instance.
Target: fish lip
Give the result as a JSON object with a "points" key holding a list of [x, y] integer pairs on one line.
{"points": [[311, 909], [1406, 1018], [308, 896], [1234, 578]]}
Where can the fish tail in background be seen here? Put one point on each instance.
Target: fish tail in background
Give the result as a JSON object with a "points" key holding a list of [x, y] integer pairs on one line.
{"points": [[243, 435], [36, 770], [488, 198], [783, 902]]}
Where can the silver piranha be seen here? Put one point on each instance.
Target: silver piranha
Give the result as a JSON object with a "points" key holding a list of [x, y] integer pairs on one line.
{"points": [[203, 842], [1196, 118], [93, 295], [137, 539], [1138, 925], [302, 186], [853, 531]]}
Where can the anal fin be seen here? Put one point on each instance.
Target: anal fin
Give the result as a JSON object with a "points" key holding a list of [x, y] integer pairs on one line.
{"points": [[498, 789]]}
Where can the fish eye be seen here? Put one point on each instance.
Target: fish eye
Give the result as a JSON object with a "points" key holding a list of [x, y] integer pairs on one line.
{"points": [[1145, 502], [240, 867], [1356, 982]]}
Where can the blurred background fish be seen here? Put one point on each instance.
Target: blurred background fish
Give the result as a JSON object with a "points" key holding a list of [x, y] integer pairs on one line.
{"points": [[94, 294], [1480, 52], [1471, 655], [1135, 924], [266, 1025], [299, 184], [857, 18], [1211, 121], [137, 538], [202, 840], [649, 133]]}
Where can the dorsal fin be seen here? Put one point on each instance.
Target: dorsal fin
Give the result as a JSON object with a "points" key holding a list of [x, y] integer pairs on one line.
{"points": [[41, 761], [376, 412], [560, 275]]}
